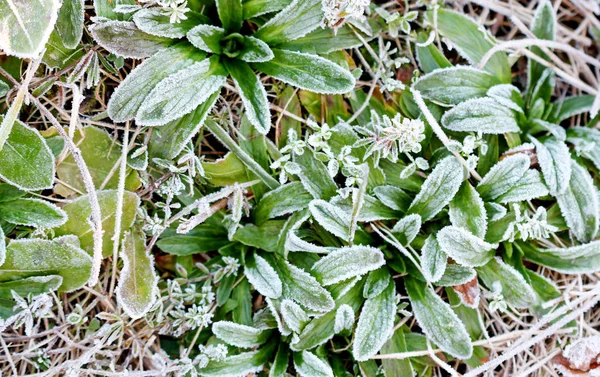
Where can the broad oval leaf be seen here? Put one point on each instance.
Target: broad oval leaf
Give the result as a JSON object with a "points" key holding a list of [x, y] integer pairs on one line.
{"points": [[393, 197], [555, 160], [80, 210], [69, 25], [239, 335], [27, 161], [154, 21], [530, 186], [331, 217], [375, 324], [433, 259], [437, 320], [309, 365], [503, 176], [263, 277], [464, 247], [579, 204], [309, 72], [294, 21], [438, 189], [36, 257], [25, 26], [207, 38], [32, 212], [346, 263], [467, 210], [138, 284], [281, 201], [451, 86], [123, 38], [480, 115], [180, 93], [515, 289], [455, 274], [376, 282]]}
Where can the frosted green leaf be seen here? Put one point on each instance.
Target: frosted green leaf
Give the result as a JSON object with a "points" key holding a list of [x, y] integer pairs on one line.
{"points": [[438, 189], [263, 277], [453, 85], [464, 247], [180, 93], [230, 13], [347, 262], [579, 204], [2, 246], [543, 26], [254, 8], [35, 285], [503, 176], [138, 283], [330, 217], [480, 115], [252, 93], [467, 210], [3, 89], [455, 274], [27, 161], [515, 289], [393, 197], [507, 95], [131, 93], [433, 259], [589, 250], [255, 51], [556, 259], [295, 243], [25, 26], [314, 176], [371, 208], [80, 211], [309, 72], [375, 324], [274, 306], [239, 335], [294, 21], [344, 319], [302, 287], [309, 365], [241, 364], [69, 25], [376, 282], [555, 160], [281, 201], [530, 186], [123, 38], [154, 21], [281, 361], [437, 320], [554, 129], [293, 315], [407, 229], [495, 211], [207, 38], [36, 257], [32, 212]]}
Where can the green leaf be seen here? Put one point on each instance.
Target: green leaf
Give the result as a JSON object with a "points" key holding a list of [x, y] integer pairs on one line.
{"points": [[376, 282], [9, 192], [252, 93], [507, 95], [331, 217], [543, 26], [503, 176], [293, 316], [467, 210], [265, 236], [407, 229], [530, 186], [106, 8], [579, 204], [572, 106], [263, 277], [255, 51], [156, 22], [32, 212], [308, 364], [294, 21], [284, 200], [124, 39], [100, 153], [255, 8], [555, 160], [481, 115], [239, 335], [396, 367], [438, 189], [433, 259], [314, 176], [346, 263], [36, 257], [35, 285], [471, 41], [27, 162], [69, 25], [239, 365], [138, 283], [455, 274], [451, 86], [207, 38], [375, 324], [582, 138], [80, 210], [430, 57], [26, 26], [131, 93], [437, 320], [393, 197], [202, 238], [281, 361], [309, 72], [2, 246], [230, 14], [181, 93], [515, 289], [464, 247], [168, 141], [582, 259], [324, 41]]}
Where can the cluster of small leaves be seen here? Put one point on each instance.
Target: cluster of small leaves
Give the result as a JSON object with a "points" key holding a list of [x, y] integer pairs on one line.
{"points": [[310, 246]]}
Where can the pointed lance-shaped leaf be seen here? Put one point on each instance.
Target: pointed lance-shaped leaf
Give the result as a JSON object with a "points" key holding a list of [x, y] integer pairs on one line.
{"points": [[296, 20], [293, 315], [467, 210], [503, 176], [515, 289], [307, 364], [32, 212], [263, 277], [433, 259], [331, 217], [555, 160], [124, 39], [346, 263], [239, 335]]}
